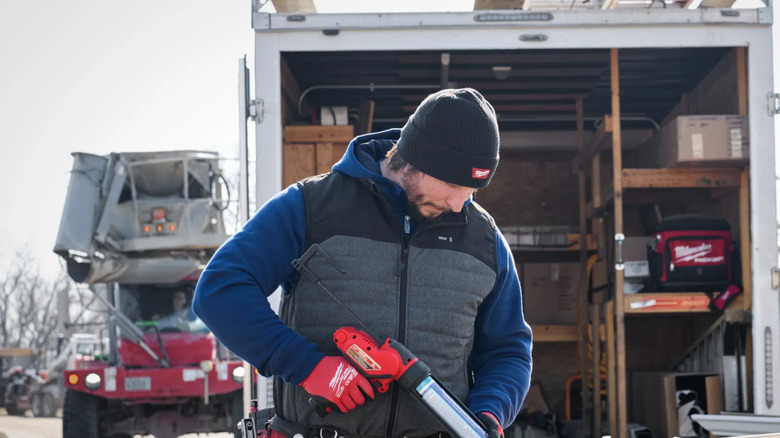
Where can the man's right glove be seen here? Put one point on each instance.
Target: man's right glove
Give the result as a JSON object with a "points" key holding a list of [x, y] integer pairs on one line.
{"points": [[336, 382], [493, 426]]}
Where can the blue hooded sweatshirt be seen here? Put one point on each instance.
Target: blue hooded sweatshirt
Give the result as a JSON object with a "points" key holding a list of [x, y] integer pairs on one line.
{"points": [[231, 295]]}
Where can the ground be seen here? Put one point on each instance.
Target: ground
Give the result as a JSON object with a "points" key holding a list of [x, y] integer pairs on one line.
{"points": [[29, 427]]}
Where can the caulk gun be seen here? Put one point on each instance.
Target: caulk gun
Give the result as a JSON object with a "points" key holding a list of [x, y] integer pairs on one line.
{"points": [[393, 362]]}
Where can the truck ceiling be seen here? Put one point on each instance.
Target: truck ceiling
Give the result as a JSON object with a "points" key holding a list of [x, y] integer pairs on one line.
{"points": [[530, 89]]}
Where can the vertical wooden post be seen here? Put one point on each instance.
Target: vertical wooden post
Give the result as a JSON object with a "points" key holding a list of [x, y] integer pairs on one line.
{"points": [[744, 190], [582, 298], [617, 171], [742, 98], [596, 377], [611, 378], [744, 239]]}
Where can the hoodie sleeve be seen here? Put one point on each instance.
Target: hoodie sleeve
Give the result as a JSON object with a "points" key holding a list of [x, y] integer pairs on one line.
{"points": [[231, 295], [501, 359]]}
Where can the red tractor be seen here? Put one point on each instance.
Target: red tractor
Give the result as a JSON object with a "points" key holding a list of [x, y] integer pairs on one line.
{"points": [[137, 229]]}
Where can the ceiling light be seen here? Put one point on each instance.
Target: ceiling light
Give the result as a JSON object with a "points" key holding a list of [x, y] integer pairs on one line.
{"points": [[502, 72]]}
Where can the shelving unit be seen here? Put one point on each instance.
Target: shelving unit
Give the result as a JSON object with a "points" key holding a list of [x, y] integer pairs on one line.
{"points": [[637, 186]]}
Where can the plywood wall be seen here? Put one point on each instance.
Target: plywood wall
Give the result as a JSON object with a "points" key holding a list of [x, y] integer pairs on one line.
{"points": [[532, 189]]}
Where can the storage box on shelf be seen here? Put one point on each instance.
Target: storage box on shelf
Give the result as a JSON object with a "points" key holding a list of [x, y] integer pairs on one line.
{"points": [[312, 150], [704, 140], [551, 290]]}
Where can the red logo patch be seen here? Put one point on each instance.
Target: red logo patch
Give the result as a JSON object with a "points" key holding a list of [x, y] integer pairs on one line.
{"points": [[477, 173]]}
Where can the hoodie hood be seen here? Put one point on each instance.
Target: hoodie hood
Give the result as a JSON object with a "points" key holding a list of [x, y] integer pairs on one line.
{"points": [[364, 154]]}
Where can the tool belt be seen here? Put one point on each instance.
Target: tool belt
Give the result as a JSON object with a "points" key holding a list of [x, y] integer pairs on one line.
{"points": [[278, 427]]}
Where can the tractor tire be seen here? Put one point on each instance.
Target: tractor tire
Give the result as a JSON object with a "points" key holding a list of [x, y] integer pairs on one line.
{"points": [[80, 415], [13, 409], [43, 405], [12, 403]]}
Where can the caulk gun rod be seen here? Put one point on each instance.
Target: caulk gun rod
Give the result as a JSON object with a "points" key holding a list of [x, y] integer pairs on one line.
{"points": [[346, 309]]}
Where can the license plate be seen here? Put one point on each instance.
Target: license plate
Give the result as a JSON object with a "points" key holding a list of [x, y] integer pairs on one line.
{"points": [[138, 384]]}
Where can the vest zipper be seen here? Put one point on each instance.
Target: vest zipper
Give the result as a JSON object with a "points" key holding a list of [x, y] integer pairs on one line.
{"points": [[401, 335], [402, 298]]}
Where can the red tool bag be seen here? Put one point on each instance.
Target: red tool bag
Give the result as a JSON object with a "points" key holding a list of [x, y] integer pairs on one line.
{"points": [[693, 253]]}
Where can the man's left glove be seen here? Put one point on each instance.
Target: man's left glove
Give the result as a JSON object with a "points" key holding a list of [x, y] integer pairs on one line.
{"points": [[337, 384], [493, 426]]}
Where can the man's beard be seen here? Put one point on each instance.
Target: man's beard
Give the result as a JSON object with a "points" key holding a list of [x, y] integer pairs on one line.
{"points": [[413, 209], [415, 198]]}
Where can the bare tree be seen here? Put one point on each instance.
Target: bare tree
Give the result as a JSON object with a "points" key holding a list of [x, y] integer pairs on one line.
{"points": [[28, 305], [9, 283]]}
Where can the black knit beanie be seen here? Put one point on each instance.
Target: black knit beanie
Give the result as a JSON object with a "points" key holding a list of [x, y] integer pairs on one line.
{"points": [[453, 136]]}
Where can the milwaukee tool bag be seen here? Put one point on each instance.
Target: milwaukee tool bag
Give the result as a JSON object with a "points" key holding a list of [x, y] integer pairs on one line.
{"points": [[693, 253]]}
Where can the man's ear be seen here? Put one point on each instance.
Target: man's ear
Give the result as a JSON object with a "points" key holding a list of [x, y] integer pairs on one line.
{"points": [[409, 170]]}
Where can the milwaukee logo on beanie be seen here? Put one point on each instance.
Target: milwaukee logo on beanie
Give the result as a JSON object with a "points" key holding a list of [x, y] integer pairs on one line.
{"points": [[480, 173], [453, 136]]}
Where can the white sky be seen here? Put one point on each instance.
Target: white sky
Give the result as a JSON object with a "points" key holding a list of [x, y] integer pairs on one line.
{"points": [[106, 76]]}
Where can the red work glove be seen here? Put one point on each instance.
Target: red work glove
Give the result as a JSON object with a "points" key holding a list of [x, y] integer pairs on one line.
{"points": [[493, 426], [335, 382]]}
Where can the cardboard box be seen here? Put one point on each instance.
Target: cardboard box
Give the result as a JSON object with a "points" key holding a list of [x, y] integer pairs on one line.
{"points": [[635, 257], [550, 292], [632, 286], [653, 398], [704, 140]]}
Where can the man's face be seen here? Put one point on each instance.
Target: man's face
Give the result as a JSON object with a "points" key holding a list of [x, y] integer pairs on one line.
{"points": [[179, 300], [429, 197]]}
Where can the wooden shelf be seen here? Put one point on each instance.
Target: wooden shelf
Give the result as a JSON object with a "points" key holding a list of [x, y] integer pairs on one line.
{"points": [[555, 333], [574, 245], [643, 185], [667, 302], [695, 177]]}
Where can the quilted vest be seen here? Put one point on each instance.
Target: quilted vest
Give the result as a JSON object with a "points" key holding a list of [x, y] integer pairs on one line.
{"points": [[423, 290]]}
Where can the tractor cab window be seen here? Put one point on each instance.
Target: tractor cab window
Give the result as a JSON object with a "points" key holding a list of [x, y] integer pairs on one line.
{"points": [[167, 308]]}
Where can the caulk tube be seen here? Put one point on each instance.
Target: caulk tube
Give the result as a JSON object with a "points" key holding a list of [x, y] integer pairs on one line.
{"points": [[460, 422]]}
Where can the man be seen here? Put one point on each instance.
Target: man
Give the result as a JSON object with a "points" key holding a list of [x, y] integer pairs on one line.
{"points": [[182, 317], [408, 251]]}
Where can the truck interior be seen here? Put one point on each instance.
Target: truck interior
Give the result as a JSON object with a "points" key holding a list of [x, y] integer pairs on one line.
{"points": [[551, 182]]}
